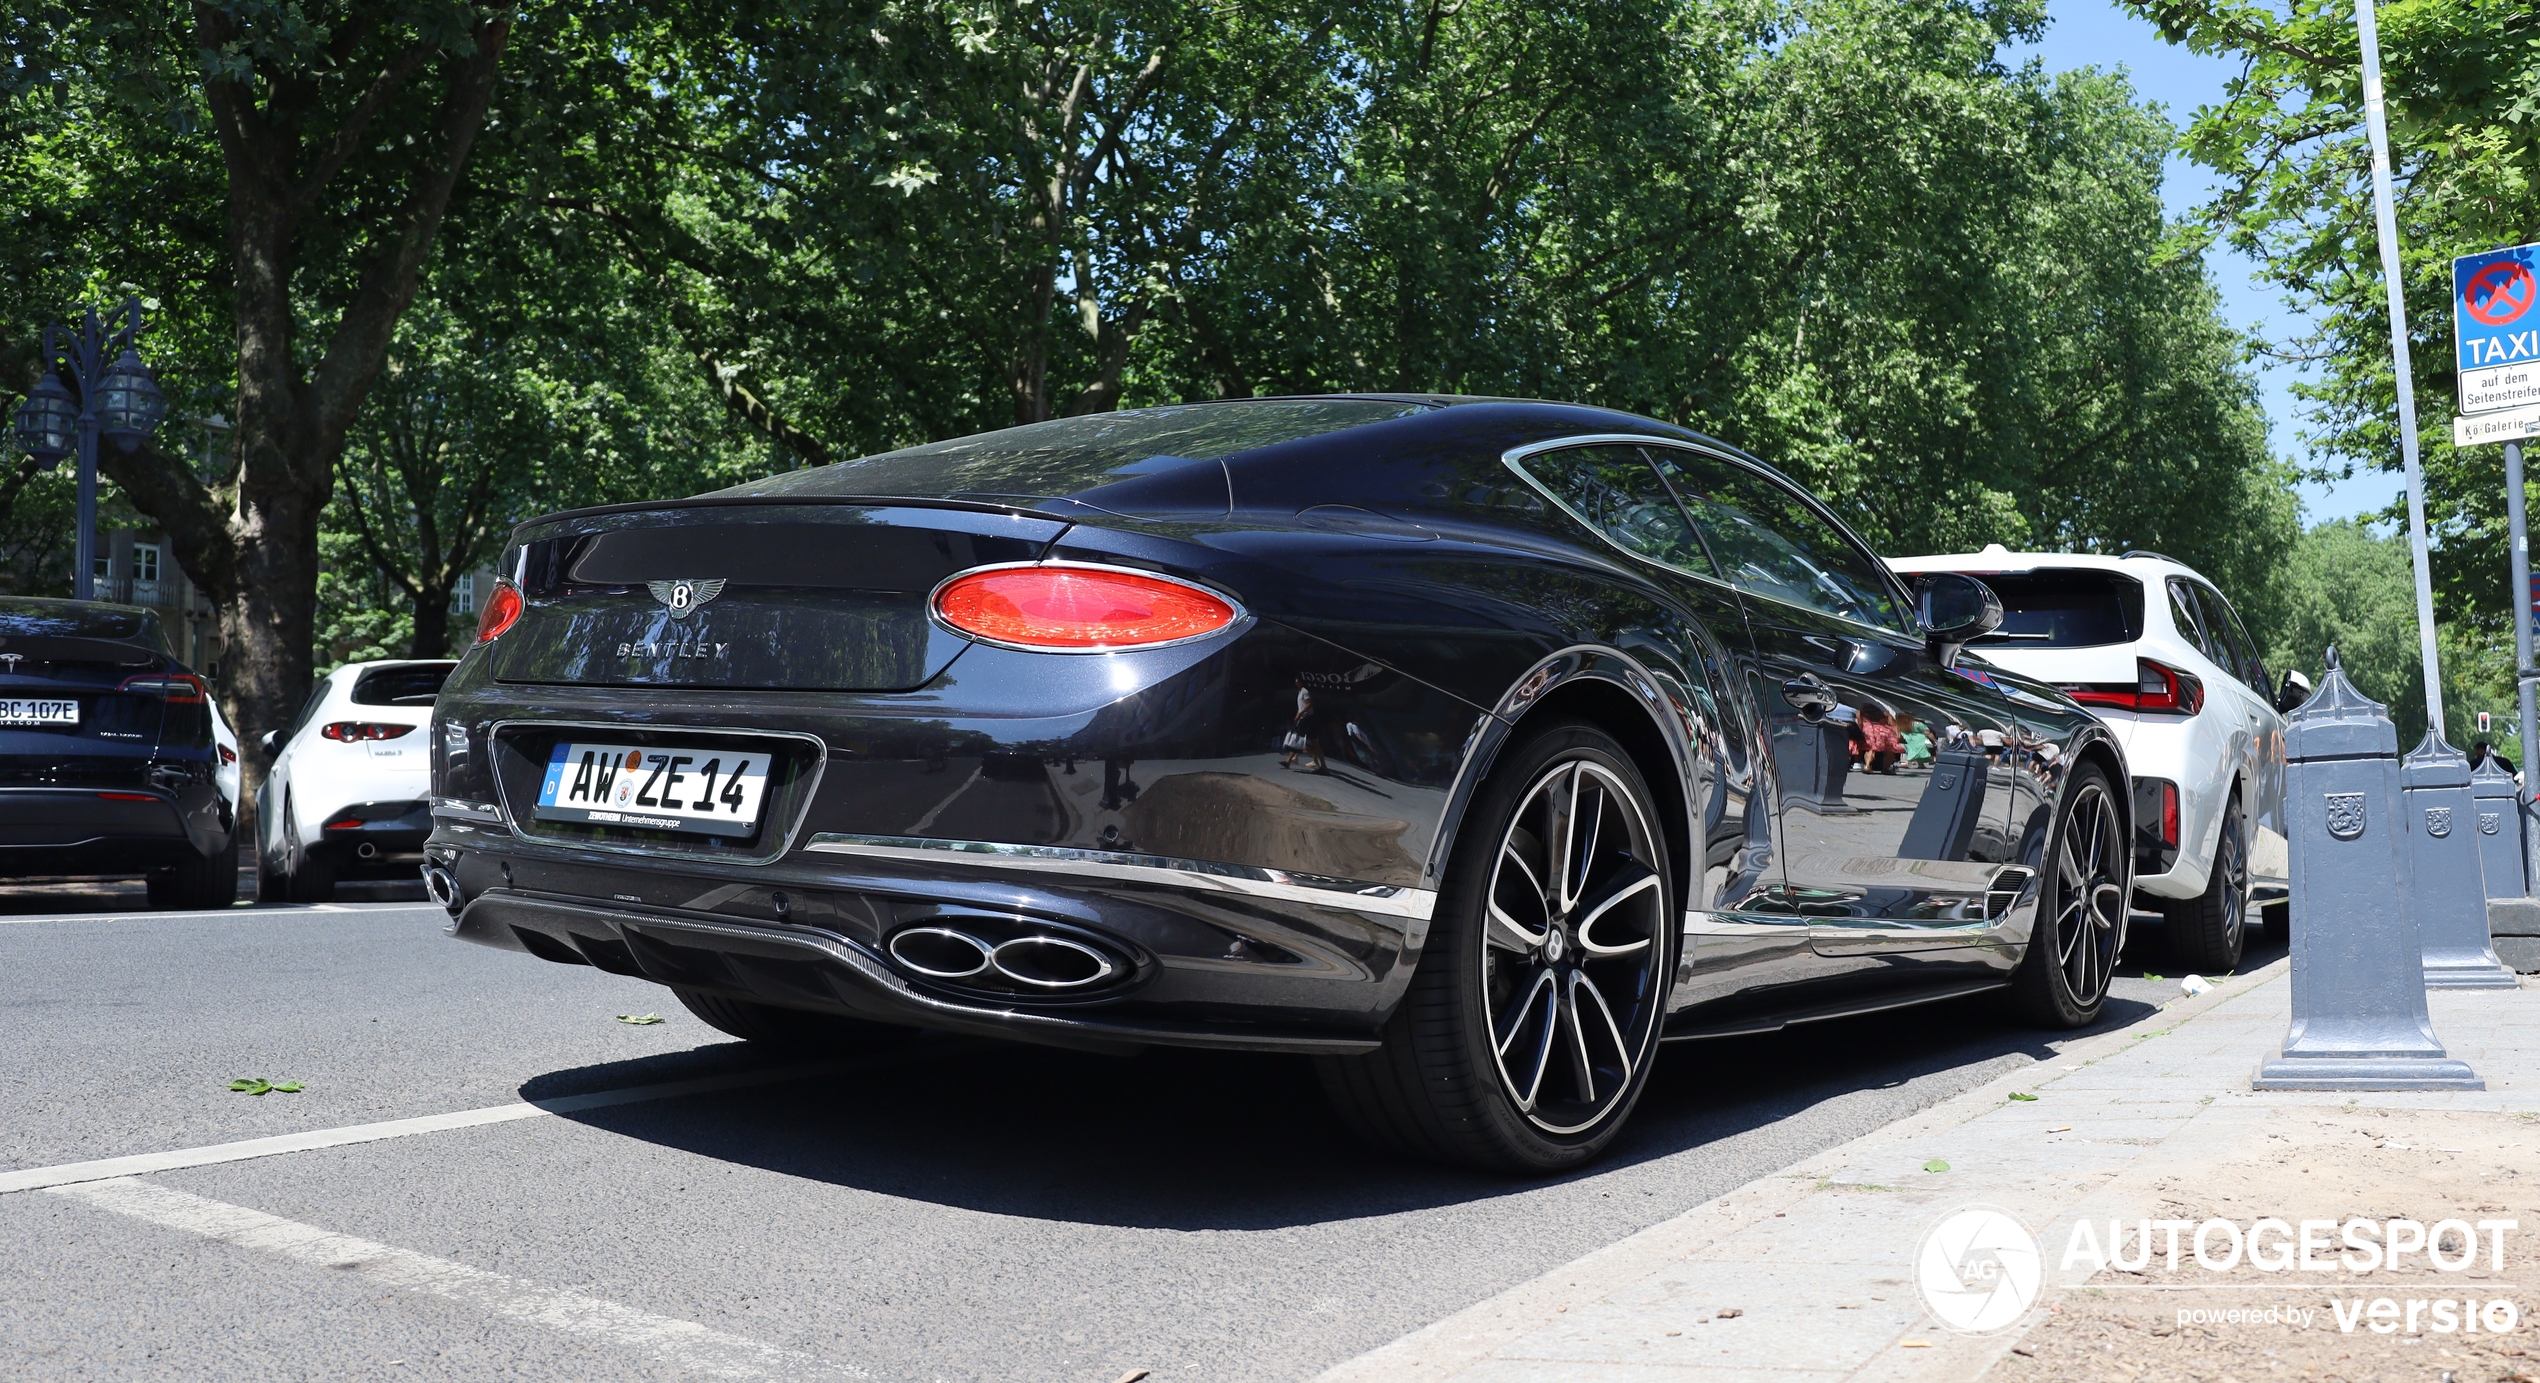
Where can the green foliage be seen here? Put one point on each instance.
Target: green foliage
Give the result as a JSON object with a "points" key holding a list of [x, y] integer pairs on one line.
{"points": [[2462, 82]]}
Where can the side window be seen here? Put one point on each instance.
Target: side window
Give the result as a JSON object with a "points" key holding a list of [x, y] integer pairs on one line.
{"points": [[309, 710], [1614, 491], [2218, 612], [2191, 622], [1770, 543]]}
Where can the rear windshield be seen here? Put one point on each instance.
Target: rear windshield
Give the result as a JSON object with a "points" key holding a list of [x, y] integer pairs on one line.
{"points": [[1068, 456], [401, 686], [2070, 607], [76, 620]]}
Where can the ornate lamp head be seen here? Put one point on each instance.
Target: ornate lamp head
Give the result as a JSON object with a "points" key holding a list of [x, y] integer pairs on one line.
{"points": [[48, 422], [129, 401]]}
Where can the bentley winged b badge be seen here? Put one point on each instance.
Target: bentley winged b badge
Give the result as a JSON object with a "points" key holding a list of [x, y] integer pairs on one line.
{"points": [[683, 597]]}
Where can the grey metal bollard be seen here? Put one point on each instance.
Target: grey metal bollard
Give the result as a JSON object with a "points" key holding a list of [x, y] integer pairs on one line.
{"points": [[2498, 805], [2359, 1015], [2445, 897]]}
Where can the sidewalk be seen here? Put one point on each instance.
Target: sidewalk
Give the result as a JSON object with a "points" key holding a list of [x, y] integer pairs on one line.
{"points": [[1810, 1274]]}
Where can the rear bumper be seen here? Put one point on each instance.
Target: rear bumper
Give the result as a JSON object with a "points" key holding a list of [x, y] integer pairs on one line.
{"points": [[386, 837], [55, 831], [1203, 955], [823, 970]]}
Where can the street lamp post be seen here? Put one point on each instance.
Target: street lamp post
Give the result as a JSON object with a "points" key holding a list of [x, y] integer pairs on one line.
{"points": [[116, 397]]}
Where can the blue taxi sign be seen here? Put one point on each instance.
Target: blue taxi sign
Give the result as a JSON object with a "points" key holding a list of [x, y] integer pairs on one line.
{"points": [[2493, 297], [2496, 345]]}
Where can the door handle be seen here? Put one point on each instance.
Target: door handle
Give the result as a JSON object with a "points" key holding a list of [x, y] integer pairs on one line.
{"points": [[1810, 697]]}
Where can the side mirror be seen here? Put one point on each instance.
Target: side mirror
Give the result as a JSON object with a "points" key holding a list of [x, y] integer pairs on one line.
{"points": [[2295, 691], [272, 741], [1954, 610]]}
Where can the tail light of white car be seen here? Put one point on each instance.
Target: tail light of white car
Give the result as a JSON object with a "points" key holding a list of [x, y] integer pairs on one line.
{"points": [[357, 731], [2158, 689]]}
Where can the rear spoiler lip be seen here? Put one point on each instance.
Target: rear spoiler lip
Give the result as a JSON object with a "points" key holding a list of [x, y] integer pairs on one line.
{"points": [[521, 530]]}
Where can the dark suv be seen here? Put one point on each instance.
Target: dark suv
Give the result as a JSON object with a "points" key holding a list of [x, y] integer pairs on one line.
{"points": [[107, 759]]}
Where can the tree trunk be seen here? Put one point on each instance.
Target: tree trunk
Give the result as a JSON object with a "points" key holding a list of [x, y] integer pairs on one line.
{"points": [[432, 620]]}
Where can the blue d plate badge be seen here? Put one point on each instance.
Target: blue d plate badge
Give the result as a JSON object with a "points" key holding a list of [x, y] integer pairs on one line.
{"points": [[708, 791]]}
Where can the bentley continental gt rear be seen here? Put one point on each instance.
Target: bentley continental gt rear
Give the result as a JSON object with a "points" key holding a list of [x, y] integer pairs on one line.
{"points": [[1473, 747]]}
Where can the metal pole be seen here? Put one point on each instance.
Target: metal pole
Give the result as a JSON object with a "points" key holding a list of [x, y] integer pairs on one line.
{"points": [[84, 581], [2522, 603], [2386, 222]]}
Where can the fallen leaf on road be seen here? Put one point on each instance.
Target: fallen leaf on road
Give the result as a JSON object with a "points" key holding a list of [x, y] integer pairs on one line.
{"points": [[1132, 1376], [1935, 1165], [641, 1020], [2018, 1096], [250, 1086], [289, 1087]]}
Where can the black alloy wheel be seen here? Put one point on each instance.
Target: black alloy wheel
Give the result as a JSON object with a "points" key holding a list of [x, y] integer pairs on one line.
{"points": [[2062, 980], [1531, 1023], [2209, 931]]}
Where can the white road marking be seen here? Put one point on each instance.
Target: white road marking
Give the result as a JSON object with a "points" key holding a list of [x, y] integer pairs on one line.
{"points": [[243, 910], [144, 1164], [683, 1344]]}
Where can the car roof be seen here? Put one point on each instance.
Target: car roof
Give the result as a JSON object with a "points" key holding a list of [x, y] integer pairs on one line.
{"points": [[1997, 558], [1229, 452]]}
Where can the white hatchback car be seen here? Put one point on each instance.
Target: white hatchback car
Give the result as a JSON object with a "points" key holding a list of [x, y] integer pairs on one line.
{"points": [[2160, 655], [347, 793]]}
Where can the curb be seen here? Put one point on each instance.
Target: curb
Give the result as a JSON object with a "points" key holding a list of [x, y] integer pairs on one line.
{"points": [[1472, 1335]]}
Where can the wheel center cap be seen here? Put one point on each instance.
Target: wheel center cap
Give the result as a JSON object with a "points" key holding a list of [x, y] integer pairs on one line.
{"points": [[1553, 943]]}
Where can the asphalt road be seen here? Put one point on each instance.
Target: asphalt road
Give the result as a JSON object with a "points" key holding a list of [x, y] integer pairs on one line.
{"points": [[955, 1211]]}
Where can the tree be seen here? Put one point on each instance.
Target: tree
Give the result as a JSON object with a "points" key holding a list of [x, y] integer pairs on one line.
{"points": [[318, 147], [2288, 141]]}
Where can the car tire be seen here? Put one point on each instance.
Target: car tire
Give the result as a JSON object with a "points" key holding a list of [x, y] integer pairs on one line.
{"points": [[312, 880], [2209, 931], [791, 1029], [201, 882], [2062, 978], [1575, 971]]}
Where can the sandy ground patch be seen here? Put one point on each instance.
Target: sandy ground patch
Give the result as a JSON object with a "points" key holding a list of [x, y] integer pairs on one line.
{"points": [[2318, 1164]]}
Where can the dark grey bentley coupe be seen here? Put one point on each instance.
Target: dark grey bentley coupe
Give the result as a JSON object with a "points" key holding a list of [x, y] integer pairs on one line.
{"points": [[1473, 747]]}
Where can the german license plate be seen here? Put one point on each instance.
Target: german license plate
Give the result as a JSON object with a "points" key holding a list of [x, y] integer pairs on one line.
{"points": [[714, 792], [18, 711]]}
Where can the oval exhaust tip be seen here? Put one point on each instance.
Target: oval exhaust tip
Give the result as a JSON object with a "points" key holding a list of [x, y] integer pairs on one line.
{"points": [[439, 883], [941, 953], [1052, 962]]}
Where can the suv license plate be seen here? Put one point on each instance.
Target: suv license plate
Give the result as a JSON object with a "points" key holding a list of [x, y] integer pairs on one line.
{"points": [[716, 792], [23, 712]]}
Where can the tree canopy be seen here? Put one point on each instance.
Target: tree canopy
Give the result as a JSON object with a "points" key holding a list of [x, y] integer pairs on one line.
{"points": [[564, 253]]}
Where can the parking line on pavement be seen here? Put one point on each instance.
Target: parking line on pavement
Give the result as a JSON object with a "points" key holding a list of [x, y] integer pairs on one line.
{"points": [[243, 910], [680, 1343], [144, 1164]]}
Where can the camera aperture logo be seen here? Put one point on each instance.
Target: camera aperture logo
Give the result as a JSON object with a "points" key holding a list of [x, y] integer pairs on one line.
{"points": [[1979, 1270]]}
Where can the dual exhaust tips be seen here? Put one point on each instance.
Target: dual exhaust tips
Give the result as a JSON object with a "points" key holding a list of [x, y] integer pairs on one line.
{"points": [[1038, 961]]}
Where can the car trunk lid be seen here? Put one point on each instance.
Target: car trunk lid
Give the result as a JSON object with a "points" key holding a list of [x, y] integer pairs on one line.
{"points": [[767, 596], [117, 734]]}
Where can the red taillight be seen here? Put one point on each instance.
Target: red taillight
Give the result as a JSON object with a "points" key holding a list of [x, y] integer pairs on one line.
{"points": [[355, 731], [128, 797], [346, 825], [2169, 813], [501, 608], [228, 756], [180, 688], [1079, 609], [2166, 689], [2158, 689]]}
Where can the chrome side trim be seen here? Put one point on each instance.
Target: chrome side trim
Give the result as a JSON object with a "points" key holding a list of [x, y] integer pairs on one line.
{"points": [[467, 811], [1385, 900]]}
